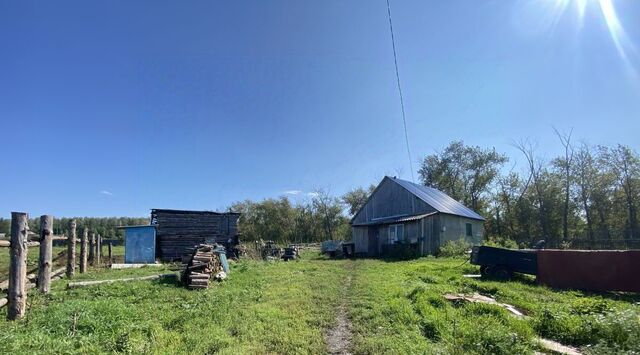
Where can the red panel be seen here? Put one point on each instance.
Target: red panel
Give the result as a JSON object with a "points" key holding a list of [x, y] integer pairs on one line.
{"points": [[595, 270]]}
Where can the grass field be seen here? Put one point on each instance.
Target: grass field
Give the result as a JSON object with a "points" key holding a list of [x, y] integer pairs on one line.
{"points": [[277, 307]]}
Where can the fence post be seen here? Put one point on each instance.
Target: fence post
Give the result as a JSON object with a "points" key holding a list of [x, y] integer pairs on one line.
{"points": [[71, 249], [110, 254], [18, 266], [98, 249], [44, 259], [92, 241], [83, 250]]}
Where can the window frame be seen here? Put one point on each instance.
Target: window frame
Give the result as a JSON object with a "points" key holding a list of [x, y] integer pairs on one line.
{"points": [[395, 227], [469, 229]]}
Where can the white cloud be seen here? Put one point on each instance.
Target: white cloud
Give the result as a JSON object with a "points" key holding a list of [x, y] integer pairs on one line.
{"points": [[105, 192], [293, 192], [312, 194]]}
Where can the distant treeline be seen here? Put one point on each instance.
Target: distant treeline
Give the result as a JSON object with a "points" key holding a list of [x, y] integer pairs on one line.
{"points": [[105, 226], [586, 198], [279, 220], [589, 194]]}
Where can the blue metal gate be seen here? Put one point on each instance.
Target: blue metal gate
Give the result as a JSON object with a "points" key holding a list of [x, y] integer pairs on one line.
{"points": [[140, 244]]}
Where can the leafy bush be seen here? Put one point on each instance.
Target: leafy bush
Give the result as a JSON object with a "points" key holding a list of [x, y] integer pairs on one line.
{"points": [[500, 242], [454, 248]]}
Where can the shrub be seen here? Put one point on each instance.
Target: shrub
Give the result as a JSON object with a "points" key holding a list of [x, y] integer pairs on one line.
{"points": [[454, 248], [500, 242]]}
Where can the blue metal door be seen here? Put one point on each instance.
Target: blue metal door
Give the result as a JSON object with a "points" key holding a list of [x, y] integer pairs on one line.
{"points": [[140, 245]]}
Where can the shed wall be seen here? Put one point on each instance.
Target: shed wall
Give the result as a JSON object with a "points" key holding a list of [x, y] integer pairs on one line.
{"points": [[360, 239], [455, 229]]}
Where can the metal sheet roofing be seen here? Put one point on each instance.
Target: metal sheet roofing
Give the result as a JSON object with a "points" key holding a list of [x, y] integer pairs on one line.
{"points": [[437, 199], [395, 219]]}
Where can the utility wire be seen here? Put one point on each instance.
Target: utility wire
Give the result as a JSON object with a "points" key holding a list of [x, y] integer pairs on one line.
{"points": [[404, 118]]}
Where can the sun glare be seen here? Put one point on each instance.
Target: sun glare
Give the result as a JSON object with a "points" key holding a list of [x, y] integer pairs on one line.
{"points": [[555, 9]]}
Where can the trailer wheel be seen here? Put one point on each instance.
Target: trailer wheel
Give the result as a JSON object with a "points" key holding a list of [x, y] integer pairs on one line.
{"points": [[501, 272], [484, 270]]}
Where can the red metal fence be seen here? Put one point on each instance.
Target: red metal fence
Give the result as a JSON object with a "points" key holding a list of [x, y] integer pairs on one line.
{"points": [[602, 270]]}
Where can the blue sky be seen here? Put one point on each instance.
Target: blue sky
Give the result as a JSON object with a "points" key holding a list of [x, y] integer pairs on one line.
{"points": [[112, 108]]}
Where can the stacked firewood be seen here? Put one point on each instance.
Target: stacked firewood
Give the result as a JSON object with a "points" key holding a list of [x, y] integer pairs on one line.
{"points": [[201, 267]]}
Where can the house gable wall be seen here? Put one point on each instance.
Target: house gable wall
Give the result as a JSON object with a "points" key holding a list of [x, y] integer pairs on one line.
{"points": [[390, 199]]}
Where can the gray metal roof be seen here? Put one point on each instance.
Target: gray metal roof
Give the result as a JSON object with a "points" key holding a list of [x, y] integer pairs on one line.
{"points": [[437, 199], [395, 219]]}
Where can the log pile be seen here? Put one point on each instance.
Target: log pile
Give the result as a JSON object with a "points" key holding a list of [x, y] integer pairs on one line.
{"points": [[202, 267], [178, 230]]}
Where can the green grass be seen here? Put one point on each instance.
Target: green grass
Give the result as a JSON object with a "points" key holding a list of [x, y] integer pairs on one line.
{"points": [[261, 308], [34, 252], [395, 307]]}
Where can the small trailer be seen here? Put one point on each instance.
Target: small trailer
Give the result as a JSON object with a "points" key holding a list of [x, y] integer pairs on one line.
{"points": [[594, 270], [502, 263]]}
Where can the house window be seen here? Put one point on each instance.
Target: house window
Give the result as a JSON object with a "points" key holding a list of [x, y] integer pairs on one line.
{"points": [[396, 233], [469, 230]]}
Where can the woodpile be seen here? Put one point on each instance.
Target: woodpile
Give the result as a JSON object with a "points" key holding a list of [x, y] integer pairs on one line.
{"points": [[178, 230], [201, 267]]}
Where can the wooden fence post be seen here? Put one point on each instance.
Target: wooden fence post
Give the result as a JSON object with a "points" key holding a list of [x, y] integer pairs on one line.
{"points": [[92, 241], [44, 259], [18, 266], [110, 253], [71, 249], [98, 249], [83, 250]]}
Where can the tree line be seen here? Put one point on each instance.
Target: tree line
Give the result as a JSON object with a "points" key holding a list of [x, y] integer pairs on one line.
{"points": [[587, 196], [107, 227]]}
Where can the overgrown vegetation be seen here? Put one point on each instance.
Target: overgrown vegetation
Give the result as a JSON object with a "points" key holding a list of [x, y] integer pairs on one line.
{"points": [[398, 307], [277, 307], [318, 219], [454, 248]]}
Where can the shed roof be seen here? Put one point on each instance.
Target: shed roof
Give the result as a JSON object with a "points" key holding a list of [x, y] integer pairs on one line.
{"points": [[395, 219], [165, 210], [437, 199]]}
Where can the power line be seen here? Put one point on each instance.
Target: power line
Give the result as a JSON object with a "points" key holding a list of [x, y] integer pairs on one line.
{"points": [[404, 118]]}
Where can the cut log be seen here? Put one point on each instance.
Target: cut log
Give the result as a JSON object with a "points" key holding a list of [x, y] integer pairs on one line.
{"points": [[201, 265], [71, 285], [71, 249], [558, 348], [44, 259], [132, 266], [18, 266], [83, 251]]}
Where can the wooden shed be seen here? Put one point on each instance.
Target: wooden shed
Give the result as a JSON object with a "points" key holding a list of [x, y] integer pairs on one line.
{"points": [[401, 215], [178, 230]]}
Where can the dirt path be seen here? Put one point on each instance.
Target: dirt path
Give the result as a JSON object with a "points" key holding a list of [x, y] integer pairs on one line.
{"points": [[339, 337]]}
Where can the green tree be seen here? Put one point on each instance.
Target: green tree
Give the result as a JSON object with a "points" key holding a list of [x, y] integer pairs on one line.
{"points": [[464, 172], [356, 198]]}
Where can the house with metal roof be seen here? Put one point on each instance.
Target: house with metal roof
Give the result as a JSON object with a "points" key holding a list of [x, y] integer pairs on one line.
{"points": [[401, 216]]}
